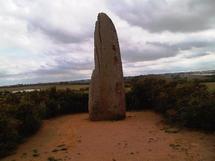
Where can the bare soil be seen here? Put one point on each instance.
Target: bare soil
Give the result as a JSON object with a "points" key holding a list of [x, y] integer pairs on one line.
{"points": [[142, 136]]}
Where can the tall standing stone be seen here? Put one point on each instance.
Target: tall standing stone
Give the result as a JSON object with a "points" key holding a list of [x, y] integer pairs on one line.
{"points": [[106, 95]]}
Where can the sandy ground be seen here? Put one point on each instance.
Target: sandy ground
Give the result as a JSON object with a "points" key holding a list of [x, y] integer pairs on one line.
{"points": [[141, 137]]}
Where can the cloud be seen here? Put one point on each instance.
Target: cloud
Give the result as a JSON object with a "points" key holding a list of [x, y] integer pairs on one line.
{"points": [[148, 52], [180, 63], [63, 21], [167, 15], [43, 41], [63, 70]]}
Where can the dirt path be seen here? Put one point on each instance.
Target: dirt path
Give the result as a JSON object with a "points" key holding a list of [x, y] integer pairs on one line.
{"points": [[138, 138]]}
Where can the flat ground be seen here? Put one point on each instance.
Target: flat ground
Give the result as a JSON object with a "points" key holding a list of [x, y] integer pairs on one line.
{"points": [[141, 137]]}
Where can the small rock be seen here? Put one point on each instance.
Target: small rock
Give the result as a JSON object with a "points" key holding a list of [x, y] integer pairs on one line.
{"points": [[61, 145], [151, 139], [63, 149], [55, 150], [52, 159], [194, 144], [172, 130], [35, 150], [175, 146], [24, 154], [35, 155]]}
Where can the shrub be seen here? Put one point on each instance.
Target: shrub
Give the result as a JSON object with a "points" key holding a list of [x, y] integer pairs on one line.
{"points": [[30, 117], [9, 137], [21, 114], [65, 102], [185, 102]]}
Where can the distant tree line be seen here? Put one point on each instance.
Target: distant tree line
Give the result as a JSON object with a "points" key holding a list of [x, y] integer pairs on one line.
{"points": [[187, 103], [210, 78]]}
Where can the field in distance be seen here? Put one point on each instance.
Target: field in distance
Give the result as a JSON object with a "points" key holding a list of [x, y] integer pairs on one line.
{"points": [[46, 86], [205, 77], [83, 87]]}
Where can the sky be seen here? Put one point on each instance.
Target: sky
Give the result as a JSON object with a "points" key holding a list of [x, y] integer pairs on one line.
{"points": [[52, 40]]}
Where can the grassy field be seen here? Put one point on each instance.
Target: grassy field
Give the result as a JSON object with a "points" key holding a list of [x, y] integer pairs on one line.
{"points": [[44, 87], [210, 85], [83, 87]]}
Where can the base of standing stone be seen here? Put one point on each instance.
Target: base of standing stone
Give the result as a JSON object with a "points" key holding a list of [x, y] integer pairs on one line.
{"points": [[101, 117]]}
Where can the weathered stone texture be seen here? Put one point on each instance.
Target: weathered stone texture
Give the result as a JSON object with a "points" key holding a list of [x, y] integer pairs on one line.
{"points": [[106, 95]]}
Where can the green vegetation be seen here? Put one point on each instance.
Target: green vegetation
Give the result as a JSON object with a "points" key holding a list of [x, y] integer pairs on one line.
{"points": [[46, 87], [186, 103], [21, 114], [210, 86]]}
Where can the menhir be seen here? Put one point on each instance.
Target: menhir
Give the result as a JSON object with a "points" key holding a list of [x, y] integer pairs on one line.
{"points": [[107, 94]]}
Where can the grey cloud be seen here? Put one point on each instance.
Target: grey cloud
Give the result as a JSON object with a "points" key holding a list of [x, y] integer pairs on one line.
{"points": [[62, 21], [184, 45], [74, 65], [64, 68], [197, 54], [4, 75], [48, 76], [57, 34], [145, 54], [64, 71], [158, 16], [69, 54], [160, 50]]}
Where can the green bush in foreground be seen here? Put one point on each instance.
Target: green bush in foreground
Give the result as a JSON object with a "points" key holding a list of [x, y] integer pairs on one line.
{"points": [[21, 114], [9, 137]]}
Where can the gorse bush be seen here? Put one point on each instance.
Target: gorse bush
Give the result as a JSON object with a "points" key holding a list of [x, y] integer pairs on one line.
{"points": [[151, 92], [30, 118], [187, 103], [9, 137], [65, 102], [21, 114]]}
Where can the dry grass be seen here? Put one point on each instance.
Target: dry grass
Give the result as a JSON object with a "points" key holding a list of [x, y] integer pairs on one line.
{"points": [[210, 85]]}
